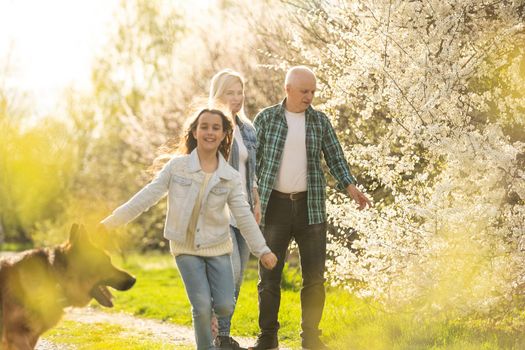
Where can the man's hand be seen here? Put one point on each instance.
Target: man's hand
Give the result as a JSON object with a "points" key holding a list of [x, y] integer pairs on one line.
{"points": [[361, 200], [269, 260]]}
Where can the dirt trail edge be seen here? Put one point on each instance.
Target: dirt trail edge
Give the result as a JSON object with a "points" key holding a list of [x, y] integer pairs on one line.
{"points": [[166, 332]]}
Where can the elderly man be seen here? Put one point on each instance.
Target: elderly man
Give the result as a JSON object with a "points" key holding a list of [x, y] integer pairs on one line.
{"points": [[291, 138]]}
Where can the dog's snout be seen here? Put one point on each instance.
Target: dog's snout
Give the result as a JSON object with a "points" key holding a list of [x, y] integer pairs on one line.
{"points": [[126, 282], [130, 282]]}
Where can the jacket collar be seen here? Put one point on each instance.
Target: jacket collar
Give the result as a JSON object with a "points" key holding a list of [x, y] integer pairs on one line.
{"points": [[223, 170], [239, 121]]}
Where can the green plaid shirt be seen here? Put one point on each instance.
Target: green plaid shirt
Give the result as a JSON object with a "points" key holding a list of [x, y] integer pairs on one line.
{"points": [[271, 128]]}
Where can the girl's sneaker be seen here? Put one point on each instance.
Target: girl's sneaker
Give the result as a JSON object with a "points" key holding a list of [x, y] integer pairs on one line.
{"points": [[226, 343]]}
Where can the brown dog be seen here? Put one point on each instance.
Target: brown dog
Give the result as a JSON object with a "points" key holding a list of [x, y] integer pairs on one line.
{"points": [[36, 286]]}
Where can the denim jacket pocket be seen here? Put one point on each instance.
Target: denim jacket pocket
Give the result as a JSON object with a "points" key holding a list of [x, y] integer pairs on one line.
{"points": [[180, 185], [217, 196]]}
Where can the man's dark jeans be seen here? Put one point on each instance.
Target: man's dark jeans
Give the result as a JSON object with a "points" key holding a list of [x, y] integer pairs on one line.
{"points": [[287, 219]]}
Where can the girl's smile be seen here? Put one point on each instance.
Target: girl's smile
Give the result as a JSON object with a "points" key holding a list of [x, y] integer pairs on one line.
{"points": [[209, 132]]}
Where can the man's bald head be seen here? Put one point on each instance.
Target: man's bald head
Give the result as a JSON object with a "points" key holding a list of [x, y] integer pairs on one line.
{"points": [[300, 86], [298, 73]]}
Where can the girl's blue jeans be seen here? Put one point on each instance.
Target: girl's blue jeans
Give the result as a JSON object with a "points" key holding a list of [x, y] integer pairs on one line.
{"points": [[209, 285], [240, 257]]}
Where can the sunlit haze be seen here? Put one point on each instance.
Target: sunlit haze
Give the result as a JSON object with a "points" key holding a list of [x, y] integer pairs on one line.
{"points": [[47, 45]]}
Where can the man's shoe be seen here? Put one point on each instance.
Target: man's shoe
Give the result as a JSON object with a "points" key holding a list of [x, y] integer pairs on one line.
{"points": [[226, 343], [314, 344], [266, 342]]}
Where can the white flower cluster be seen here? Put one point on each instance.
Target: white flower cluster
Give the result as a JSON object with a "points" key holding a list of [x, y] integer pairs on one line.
{"points": [[428, 100]]}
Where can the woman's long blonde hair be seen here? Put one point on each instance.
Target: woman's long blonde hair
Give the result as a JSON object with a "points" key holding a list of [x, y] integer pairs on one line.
{"points": [[221, 81]]}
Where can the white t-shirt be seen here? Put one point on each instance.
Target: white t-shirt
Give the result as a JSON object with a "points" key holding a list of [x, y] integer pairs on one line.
{"points": [[243, 158], [293, 168]]}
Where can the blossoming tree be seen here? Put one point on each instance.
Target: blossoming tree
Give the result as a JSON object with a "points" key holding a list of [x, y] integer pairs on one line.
{"points": [[428, 99]]}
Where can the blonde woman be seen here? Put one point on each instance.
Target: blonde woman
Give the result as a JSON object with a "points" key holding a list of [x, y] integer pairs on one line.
{"points": [[227, 89]]}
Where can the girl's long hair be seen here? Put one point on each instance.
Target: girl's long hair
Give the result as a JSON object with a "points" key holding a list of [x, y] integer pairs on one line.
{"points": [[188, 143]]}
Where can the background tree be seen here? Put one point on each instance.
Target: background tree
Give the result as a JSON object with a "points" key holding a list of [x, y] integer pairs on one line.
{"points": [[426, 97], [157, 65], [36, 166], [414, 87]]}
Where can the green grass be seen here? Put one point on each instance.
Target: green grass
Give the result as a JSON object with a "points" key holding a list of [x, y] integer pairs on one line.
{"points": [[348, 322], [14, 247], [101, 336]]}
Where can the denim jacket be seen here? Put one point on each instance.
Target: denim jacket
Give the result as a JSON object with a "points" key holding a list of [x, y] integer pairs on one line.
{"points": [[181, 179], [250, 141]]}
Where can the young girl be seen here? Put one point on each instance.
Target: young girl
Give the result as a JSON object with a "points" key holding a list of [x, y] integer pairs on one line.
{"points": [[227, 88], [199, 184]]}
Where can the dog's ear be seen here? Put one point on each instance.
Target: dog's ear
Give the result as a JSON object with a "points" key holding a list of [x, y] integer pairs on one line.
{"points": [[75, 233]]}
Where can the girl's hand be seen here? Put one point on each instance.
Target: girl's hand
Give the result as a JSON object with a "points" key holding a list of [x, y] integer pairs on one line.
{"points": [[269, 260]]}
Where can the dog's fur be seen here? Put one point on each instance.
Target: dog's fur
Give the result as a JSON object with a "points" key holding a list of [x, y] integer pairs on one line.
{"points": [[36, 286]]}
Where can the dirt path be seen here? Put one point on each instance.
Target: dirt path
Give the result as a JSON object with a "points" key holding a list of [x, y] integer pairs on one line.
{"points": [[163, 331], [166, 332], [47, 345]]}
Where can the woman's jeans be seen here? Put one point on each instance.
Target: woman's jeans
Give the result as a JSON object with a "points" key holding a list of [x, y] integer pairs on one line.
{"points": [[240, 257], [286, 220], [209, 285]]}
